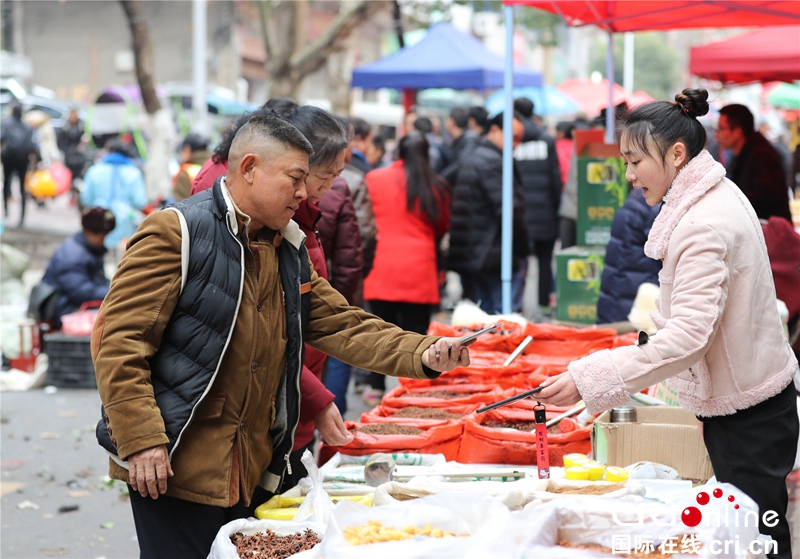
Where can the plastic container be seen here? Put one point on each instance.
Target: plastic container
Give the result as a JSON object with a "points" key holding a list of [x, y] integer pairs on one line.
{"points": [[81, 322], [29, 347], [596, 471], [625, 414], [577, 473], [615, 473], [70, 361], [574, 459]]}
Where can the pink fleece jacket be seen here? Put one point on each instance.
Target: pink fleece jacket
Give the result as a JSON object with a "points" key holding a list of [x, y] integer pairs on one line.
{"points": [[720, 338]]}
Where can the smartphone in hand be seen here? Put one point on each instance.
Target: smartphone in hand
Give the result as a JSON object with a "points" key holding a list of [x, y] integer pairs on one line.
{"points": [[469, 339]]}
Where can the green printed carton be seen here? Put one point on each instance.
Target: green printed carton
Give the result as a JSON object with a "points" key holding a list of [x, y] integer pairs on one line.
{"points": [[602, 187], [578, 273]]}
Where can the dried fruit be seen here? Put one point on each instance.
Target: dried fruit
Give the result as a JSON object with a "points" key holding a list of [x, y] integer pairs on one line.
{"points": [[374, 532]]}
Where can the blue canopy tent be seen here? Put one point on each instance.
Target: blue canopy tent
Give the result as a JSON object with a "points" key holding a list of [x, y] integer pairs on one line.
{"points": [[446, 57]]}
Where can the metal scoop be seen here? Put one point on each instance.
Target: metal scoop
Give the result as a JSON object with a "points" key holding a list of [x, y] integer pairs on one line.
{"points": [[381, 468]]}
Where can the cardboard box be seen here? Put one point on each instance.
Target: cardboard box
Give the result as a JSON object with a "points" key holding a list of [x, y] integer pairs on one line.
{"points": [[602, 187], [663, 434], [578, 273]]}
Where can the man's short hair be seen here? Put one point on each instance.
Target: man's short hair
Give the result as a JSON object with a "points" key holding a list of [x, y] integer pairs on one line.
{"points": [[361, 127], [460, 116], [524, 106], [423, 124], [739, 116], [280, 104], [16, 111], [195, 142], [264, 129], [497, 120], [480, 116]]}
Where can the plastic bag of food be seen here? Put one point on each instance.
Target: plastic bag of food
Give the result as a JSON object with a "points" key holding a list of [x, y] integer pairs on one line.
{"points": [[492, 438], [513, 494], [414, 416], [482, 527], [393, 438], [606, 527], [449, 396], [317, 505], [223, 548]]}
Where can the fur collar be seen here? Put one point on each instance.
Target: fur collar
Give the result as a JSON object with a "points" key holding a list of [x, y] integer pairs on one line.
{"points": [[691, 184]]}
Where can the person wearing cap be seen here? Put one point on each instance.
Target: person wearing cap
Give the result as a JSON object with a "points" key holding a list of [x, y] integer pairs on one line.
{"points": [[194, 152], [76, 268]]}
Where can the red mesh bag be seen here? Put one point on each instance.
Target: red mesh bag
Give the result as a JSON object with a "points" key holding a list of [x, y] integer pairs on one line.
{"points": [[439, 439], [488, 445]]}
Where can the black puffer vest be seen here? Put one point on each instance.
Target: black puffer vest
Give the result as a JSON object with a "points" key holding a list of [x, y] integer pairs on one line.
{"points": [[200, 329]]}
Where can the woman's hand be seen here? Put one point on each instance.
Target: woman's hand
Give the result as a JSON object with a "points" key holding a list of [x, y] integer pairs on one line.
{"points": [[445, 355], [559, 390]]}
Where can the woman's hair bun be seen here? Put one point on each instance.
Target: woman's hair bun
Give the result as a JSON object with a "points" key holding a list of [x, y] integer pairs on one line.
{"points": [[693, 101]]}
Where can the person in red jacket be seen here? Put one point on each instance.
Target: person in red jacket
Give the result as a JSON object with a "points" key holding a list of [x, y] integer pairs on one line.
{"points": [[327, 135], [412, 212], [341, 242]]}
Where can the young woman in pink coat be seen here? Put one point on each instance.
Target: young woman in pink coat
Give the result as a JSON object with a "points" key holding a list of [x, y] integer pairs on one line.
{"points": [[720, 339], [412, 213]]}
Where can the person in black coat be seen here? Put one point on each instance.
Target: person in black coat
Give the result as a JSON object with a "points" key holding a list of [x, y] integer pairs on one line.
{"points": [[626, 265], [537, 161], [16, 139], [464, 141], [476, 218], [76, 268], [756, 168]]}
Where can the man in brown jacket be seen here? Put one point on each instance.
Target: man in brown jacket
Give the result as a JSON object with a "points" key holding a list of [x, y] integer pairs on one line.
{"points": [[198, 346]]}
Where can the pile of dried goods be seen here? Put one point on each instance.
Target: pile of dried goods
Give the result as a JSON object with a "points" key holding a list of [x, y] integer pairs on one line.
{"points": [[443, 394], [520, 426], [270, 545], [426, 413], [374, 532], [594, 489], [386, 429]]}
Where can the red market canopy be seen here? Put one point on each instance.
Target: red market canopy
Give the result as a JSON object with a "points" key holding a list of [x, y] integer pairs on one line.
{"points": [[592, 96], [766, 55], [659, 15]]}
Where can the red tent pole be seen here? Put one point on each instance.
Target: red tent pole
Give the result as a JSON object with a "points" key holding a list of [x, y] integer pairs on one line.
{"points": [[409, 99]]}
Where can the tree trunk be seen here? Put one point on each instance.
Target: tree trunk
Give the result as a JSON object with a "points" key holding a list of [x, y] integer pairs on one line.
{"points": [[162, 131], [142, 52], [296, 59]]}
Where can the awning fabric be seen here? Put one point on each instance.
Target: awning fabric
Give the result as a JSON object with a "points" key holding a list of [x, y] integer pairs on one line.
{"points": [[767, 55], [446, 57], [659, 15]]}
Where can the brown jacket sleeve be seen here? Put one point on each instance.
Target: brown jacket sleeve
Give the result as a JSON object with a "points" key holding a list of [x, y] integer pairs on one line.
{"points": [[128, 331], [358, 338]]}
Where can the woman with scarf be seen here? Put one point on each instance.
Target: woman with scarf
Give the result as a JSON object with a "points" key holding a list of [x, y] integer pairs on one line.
{"points": [[720, 339]]}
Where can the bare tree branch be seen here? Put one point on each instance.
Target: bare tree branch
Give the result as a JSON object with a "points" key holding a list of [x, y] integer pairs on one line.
{"points": [[142, 52], [350, 16], [265, 35]]}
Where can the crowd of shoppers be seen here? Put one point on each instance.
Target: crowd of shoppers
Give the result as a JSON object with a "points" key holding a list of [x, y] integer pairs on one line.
{"points": [[294, 196]]}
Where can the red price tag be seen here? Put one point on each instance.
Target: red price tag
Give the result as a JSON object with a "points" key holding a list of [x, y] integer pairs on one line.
{"points": [[542, 452]]}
